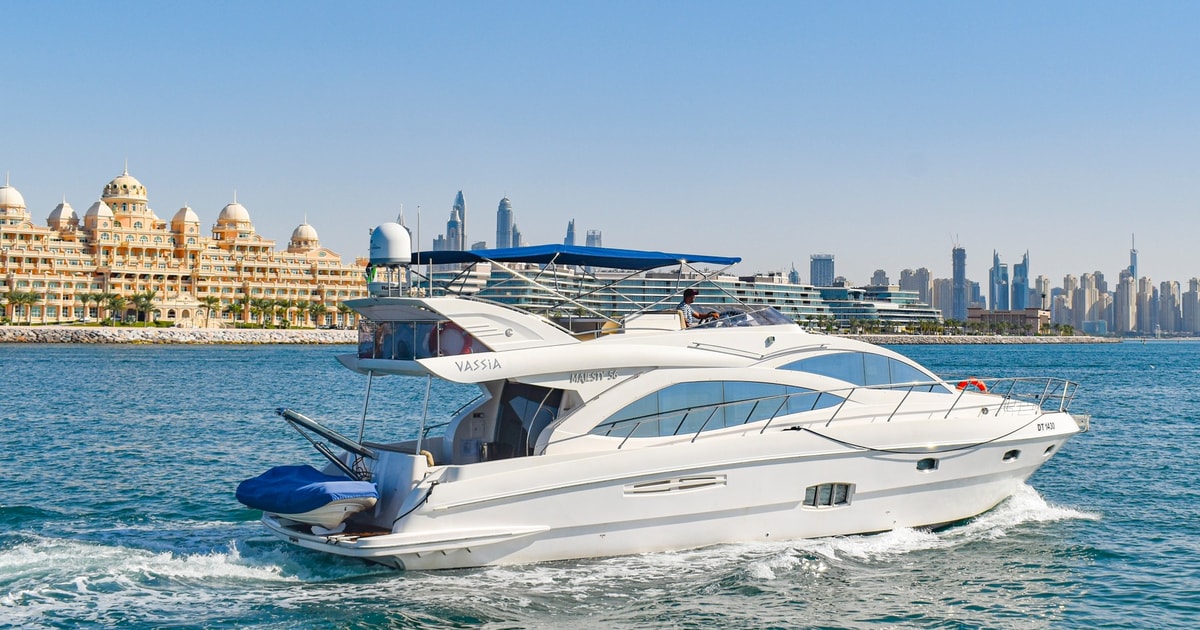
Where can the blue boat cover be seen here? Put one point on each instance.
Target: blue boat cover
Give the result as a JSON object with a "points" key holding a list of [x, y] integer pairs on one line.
{"points": [[573, 255], [298, 489]]}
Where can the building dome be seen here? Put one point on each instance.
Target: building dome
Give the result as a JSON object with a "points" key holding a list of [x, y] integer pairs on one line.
{"points": [[61, 212], [304, 232], [185, 215], [234, 213], [11, 199], [99, 210], [125, 186]]}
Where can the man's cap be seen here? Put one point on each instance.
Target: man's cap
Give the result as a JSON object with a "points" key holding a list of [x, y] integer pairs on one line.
{"points": [[689, 292]]}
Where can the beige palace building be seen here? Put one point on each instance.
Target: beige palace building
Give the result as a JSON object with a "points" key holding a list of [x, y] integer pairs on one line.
{"points": [[119, 246]]}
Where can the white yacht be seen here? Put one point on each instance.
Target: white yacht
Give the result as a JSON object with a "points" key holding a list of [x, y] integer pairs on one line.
{"points": [[643, 434]]}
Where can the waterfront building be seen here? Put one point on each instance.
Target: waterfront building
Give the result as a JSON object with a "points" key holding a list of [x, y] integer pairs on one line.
{"points": [[998, 284], [943, 296], [958, 257], [121, 248], [570, 238], [1170, 303], [504, 225], [1041, 293], [1020, 284], [1146, 315], [882, 307], [1028, 321], [920, 281], [1191, 307], [820, 270], [1125, 305]]}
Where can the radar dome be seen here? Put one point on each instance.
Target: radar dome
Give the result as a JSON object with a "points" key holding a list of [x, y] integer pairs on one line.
{"points": [[391, 244]]}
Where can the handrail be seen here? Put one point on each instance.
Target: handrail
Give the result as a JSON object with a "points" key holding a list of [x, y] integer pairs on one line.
{"points": [[1050, 395]]}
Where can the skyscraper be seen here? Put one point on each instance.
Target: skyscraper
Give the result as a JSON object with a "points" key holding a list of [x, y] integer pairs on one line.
{"points": [[454, 234], [570, 239], [1133, 258], [880, 278], [958, 257], [504, 224], [793, 275], [461, 206], [1020, 284], [820, 270], [594, 239], [998, 284]]}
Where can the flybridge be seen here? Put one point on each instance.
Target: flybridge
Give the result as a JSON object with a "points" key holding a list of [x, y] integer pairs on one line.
{"points": [[605, 257]]}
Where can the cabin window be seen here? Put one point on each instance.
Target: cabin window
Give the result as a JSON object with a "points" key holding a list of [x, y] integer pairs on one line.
{"points": [[689, 408], [828, 495], [864, 368], [405, 341]]}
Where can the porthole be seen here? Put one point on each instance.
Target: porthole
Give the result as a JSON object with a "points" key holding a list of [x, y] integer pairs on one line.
{"points": [[1011, 456], [929, 463]]}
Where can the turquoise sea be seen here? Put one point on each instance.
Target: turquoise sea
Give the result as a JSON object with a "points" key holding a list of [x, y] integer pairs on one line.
{"points": [[118, 466]]}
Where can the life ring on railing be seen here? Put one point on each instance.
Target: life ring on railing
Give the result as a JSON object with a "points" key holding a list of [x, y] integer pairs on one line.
{"points": [[972, 382], [449, 339]]}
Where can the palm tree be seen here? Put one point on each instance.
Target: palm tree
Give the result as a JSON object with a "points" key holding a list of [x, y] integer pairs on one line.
{"points": [[302, 311], [210, 303], [102, 300], [287, 306], [25, 300], [235, 309], [144, 303], [116, 304], [317, 309], [260, 307], [345, 311]]}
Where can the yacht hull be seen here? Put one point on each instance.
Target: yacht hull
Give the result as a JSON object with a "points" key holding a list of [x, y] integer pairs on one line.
{"points": [[757, 487]]}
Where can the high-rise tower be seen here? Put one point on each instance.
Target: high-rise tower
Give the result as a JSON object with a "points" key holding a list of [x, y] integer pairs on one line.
{"points": [[460, 205], [504, 224], [958, 257], [998, 284], [820, 270], [1020, 284], [1133, 258], [570, 239]]}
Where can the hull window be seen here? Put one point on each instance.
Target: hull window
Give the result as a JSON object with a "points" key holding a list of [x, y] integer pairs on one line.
{"points": [[828, 495]]}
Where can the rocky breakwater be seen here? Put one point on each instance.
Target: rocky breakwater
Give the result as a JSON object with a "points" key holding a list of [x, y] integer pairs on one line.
{"points": [[899, 340], [77, 334]]}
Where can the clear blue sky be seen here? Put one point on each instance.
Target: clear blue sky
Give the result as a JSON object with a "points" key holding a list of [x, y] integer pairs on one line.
{"points": [[880, 132]]}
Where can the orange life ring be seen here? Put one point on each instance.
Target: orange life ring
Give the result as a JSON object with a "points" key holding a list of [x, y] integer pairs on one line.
{"points": [[978, 384], [449, 339]]}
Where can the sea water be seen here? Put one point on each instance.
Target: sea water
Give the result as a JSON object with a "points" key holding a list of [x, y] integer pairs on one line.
{"points": [[118, 466]]}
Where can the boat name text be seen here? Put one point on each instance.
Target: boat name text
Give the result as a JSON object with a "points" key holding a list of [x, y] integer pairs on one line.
{"points": [[474, 365], [1045, 426], [593, 376]]}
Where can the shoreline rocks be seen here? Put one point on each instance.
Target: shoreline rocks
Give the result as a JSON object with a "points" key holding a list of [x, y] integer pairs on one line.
{"points": [[91, 334], [900, 340], [205, 336]]}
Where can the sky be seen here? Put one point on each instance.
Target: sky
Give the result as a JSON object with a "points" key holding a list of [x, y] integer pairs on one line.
{"points": [[880, 132]]}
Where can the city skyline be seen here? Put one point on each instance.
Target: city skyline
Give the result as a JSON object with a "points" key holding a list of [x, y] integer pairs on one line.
{"points": [[883, 134]]}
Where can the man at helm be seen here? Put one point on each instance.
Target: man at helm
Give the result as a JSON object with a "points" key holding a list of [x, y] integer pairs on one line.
{"points": [[690, 316]]}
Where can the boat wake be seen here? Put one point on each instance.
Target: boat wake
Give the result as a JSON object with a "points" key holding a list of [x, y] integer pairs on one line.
{"points": [[112, 583]]}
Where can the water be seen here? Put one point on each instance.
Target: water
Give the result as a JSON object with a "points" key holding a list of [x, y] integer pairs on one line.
{"points": [[118, 466]]}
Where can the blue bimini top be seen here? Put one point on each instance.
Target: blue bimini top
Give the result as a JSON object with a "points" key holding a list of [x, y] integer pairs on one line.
{"points": [[298, 489]]}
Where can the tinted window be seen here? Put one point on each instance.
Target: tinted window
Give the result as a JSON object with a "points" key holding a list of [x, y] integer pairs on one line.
{"points": [[689, 408], [861, 368]]}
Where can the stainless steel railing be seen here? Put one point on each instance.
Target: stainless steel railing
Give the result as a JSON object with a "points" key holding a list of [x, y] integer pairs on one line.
{"points": [[1003, 395]]}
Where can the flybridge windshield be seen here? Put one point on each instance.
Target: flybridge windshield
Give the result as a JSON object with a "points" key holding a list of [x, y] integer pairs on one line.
{"points": [[763, 317]]}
